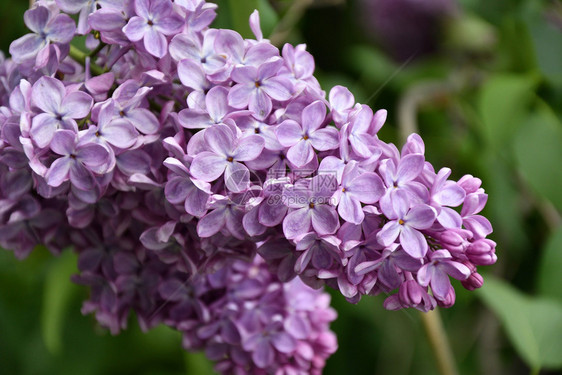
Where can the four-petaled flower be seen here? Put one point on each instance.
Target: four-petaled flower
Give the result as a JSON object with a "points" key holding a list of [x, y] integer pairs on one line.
{"points": [[226, 152], [302, 139], [155, 20]]}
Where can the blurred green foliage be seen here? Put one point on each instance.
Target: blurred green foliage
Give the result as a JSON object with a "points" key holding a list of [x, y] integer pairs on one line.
{"points": [[491, 106]]}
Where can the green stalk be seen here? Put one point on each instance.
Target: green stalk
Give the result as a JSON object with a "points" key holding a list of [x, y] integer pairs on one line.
{"points": [[80, 57], [439, 342]]}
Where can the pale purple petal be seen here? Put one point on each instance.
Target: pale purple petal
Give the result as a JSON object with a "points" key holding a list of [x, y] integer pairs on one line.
{"points": [[455, 269], [420, 216], [58, 171], [196, 202], [297, 223], [36, 18], [413, 242], [450, 195], [239, 95], [176, 189], [249, 148], [236, 177], [183, 46], [61, 29], [120, 133], [440, 283], [288, 133], [389, 233], [144, 120], [367, 188], [136, 29], [478, 225], [283, 342], [142, 8], [263, 355], [194, 119], [350, 209], [313, 116], [81, 177], [297, 326], [27, 47], [325, 139], [208, 166], [63, 142], [43, 129], [217, 102], [155, 43], [47, 94], [170, 25], [449, 218], [277, 88], [301, 153], [76, 105], [211, 223], [324, 219], [260, 104], [409, 167], [93, 155], [220, 139]]}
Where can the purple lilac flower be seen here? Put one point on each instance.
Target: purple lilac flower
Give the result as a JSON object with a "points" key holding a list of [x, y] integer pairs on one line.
{"points": [[302, 139], [78, 162], [173, 171], [256, 87], [406, 222], [59, 109], [153, 22], [225, 156], [48, 27]]}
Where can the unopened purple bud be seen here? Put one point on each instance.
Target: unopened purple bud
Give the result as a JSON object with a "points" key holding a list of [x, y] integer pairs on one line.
{"points": [[449, 299], [482, 252], [469, 183], [474, 281]]}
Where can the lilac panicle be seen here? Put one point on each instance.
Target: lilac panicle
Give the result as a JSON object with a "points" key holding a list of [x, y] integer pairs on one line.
{"points": [[176, 153]]}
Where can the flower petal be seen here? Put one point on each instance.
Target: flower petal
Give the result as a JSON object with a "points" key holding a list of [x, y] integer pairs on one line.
{"points": [[324, 219], [47, 94], [413, 242], [367, 188], [136, 28], [58, 172], [325, 139], [249, 148], [76, 105], [236, 177], [288, 133], [297, 223], [301, 153], [155, 43], [211, 223], [208, 166], [389, 233]]}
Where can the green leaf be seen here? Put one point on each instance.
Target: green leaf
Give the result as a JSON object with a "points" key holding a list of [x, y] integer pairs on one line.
{"points": [[197, 363], [502, 100], [549, 284], [533, 325], [538, 153], [240, 11], [57, 293], [547, 42], [268, 16]]}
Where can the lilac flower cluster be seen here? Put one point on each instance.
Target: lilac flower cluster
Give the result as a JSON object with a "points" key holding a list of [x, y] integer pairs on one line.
{"points": [[177, 152]]}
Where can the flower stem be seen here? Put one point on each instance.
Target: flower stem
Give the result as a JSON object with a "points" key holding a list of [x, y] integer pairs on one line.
{"points": [[80, 57], [439, 342]]}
